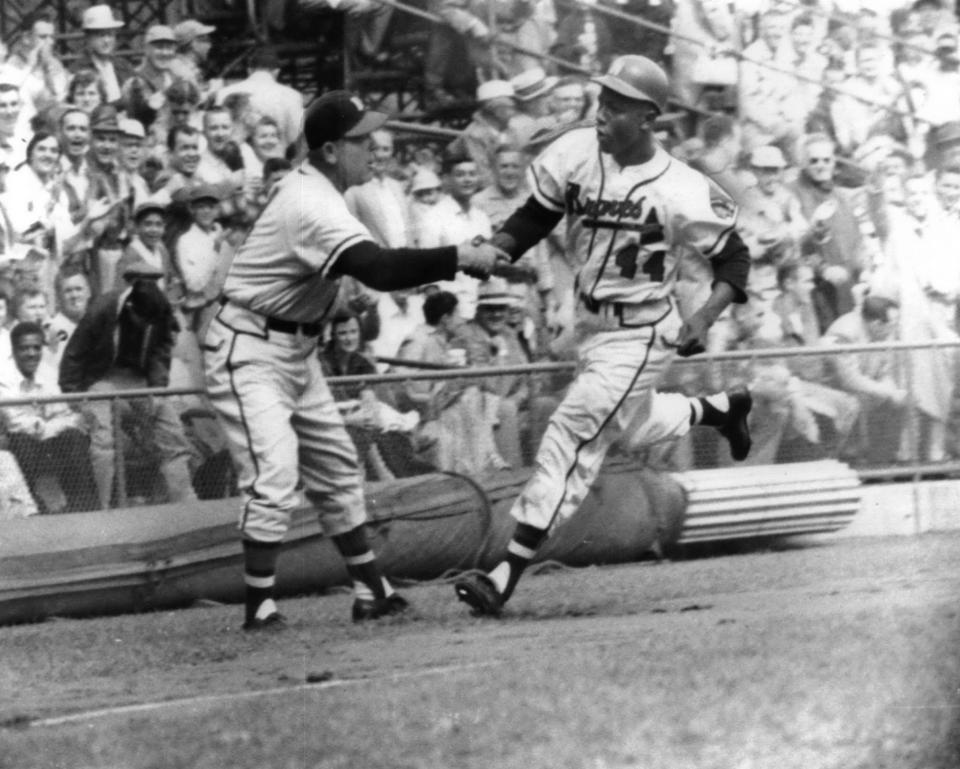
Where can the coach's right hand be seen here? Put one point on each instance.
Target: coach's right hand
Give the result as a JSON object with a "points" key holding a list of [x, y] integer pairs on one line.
{"points": [[478, 258]]}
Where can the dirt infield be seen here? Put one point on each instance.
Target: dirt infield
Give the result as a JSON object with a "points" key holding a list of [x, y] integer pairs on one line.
{"points": [[835, 655]]}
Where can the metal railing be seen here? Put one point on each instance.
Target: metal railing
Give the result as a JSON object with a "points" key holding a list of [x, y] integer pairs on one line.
{"points": [[139, 464]]}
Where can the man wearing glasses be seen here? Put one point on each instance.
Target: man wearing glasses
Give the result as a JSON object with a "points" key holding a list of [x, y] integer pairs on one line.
{"points": [[834, 246]]}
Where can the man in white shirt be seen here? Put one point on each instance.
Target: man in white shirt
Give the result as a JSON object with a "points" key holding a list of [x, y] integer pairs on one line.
{"points": [[13, 141], [380, 204], [457, 220], [45, 437]]}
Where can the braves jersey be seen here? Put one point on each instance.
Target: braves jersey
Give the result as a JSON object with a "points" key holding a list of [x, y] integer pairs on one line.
{"points": [[626, 227], [282, 269]]}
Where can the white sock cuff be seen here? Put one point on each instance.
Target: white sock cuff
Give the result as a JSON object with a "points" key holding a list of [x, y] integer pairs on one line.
{"points": [[359, 560], [259, 582], [514, 548], [697, 407]]}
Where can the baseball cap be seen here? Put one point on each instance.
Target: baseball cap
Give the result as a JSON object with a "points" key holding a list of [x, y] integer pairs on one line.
{"points": [[148, 207], [204, 192], [190, 29], [159, 33], [338, 115]]}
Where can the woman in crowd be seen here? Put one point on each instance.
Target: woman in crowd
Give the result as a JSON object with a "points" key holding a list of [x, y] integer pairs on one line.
{"points": [[86, 91]]}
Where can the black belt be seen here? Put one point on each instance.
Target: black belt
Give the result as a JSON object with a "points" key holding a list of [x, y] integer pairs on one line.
{"points": [[594, 305], [292, 327], [287, 326]]}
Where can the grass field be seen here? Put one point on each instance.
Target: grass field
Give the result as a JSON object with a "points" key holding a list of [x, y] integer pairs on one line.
{"points": [[836, 655]]}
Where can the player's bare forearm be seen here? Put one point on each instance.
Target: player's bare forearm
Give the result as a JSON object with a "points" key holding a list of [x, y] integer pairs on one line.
{"points": [[721, 297], [693, 333]]}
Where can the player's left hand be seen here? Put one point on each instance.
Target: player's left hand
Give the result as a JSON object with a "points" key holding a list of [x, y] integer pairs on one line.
{"points": [[693, 336]]}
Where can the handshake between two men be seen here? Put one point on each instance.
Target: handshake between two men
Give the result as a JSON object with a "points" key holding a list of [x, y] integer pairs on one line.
{"points": [[480, 258]]}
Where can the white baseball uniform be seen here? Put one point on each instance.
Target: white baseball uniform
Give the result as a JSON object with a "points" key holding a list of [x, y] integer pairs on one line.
{"points": [[262, 371], [625, 229]]}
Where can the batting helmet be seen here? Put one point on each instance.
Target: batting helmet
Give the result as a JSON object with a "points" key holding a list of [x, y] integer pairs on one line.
{"points": [[637, 77]]}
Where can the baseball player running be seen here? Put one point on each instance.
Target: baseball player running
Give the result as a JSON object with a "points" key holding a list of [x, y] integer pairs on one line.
{"points": [[262, 371], [630, 207]]}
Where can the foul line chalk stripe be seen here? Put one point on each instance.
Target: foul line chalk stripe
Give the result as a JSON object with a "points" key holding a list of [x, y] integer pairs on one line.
{"points": [[146, 707]]}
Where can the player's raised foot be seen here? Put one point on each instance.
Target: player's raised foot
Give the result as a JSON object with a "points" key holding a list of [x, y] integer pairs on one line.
{"points": [[735, 428], [272, 622], [374, 608], [480, 594]]}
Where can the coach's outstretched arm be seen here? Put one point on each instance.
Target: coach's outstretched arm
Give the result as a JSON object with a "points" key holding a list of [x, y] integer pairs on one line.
{"points": [[392, 269]]}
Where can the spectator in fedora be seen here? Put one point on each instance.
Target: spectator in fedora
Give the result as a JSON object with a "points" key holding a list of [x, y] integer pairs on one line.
{"points": [[773, 219], [145, 92], [532, 90], [133, 150], [488, 343], [425, 192], [100, 43], [268, 97], [108, 183], [489, 128]]}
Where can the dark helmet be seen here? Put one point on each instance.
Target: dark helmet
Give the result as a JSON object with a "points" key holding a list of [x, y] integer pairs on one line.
{"points": [[637, 77]]}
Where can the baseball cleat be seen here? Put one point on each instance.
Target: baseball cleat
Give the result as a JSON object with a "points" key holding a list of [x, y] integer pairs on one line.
{"points": [[366, 608], [273, 622], [480, 594], [735, 428]]}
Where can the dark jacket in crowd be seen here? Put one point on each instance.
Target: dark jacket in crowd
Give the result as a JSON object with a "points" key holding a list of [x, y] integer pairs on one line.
{"points": [[121, 329]]}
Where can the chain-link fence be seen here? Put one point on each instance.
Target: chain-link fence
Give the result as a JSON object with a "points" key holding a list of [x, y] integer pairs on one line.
{"points": [[888, 410]]}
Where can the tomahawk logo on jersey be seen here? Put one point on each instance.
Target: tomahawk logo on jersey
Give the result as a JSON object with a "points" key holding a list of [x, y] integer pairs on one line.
{"points": [[625, 225]]}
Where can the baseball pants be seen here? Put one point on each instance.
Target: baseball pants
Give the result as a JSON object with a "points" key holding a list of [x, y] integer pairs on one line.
{"points": [[282, 425], [614, 391]]}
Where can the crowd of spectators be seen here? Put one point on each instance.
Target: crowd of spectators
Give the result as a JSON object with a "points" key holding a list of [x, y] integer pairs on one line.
{"points": [[126, 185]]}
